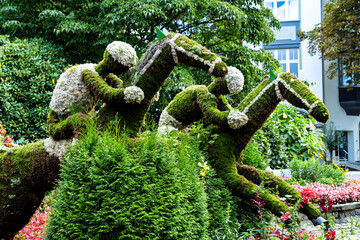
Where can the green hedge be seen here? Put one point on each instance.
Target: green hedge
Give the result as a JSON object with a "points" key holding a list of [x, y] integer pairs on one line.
{"points": [[29, 70], [119, 188]]}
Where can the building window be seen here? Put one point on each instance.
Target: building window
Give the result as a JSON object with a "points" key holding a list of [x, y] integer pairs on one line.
{"points": [[346, 80], [284, 10], [288, 59]]}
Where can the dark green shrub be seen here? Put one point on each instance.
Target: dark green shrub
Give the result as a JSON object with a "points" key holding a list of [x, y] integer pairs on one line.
{"points": [[29, 70], [118, 188], [222, 206]]}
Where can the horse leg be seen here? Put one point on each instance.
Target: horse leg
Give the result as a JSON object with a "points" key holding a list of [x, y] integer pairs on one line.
{"points": [[284, 189], [26, 174], [223, 154]]}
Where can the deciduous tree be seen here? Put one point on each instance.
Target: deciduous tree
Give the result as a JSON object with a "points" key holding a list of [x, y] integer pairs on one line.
{"points": [[337, 37]]}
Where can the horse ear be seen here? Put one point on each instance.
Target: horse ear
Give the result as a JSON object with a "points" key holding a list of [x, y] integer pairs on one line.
{"points": [[272, 75], [161, 34]]}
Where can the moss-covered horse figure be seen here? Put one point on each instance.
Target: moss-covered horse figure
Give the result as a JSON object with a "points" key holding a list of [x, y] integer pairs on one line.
{"points": [[27, 172], [236, 127]]}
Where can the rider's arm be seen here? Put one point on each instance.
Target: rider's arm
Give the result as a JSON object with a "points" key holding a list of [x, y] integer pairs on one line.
{"points": [[101, 90]]}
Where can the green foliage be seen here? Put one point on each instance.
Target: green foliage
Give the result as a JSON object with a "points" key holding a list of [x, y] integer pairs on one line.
{"points": [[222, 206], [311, 170], [337, 36], [28, 72], [254, 157], [119, 188], [285, 135], [84, 29]]}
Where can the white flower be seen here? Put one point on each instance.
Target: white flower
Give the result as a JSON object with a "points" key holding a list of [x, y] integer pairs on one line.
{"points": [[58, 148], [234, 80], [166, 129], [157, 96], [167, 120], [70, 89], [237, 119], [123, 53], [133, 94]]}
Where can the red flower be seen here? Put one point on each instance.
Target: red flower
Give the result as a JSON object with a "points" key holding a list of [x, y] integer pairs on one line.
{"points": [[285, 216], [330, 234]]}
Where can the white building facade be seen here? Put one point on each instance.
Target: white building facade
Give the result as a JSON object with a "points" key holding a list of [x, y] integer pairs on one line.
{"points": [[344, 105]]}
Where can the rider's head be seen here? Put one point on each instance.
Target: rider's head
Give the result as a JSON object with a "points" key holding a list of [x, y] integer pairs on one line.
{"points": [[233, 82], [118, 58]]}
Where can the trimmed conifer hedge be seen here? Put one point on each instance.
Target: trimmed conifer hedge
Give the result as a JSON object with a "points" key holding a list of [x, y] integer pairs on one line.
{"points": [[121, 188]]}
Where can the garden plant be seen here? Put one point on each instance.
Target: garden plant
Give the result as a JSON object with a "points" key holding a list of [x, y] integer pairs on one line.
{"points": [[29, 171]]}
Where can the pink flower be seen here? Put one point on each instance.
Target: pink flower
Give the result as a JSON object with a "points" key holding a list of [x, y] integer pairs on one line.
{"points": [[349, 191], [331, 234], [285, 216], [34, 230]]}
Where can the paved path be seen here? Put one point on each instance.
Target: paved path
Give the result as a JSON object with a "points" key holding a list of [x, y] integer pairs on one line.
{"points": [[354, 174], [286, 173]]}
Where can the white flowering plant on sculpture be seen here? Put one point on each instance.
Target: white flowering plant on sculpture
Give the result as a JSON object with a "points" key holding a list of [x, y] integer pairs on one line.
{"points": [[71, 90]]}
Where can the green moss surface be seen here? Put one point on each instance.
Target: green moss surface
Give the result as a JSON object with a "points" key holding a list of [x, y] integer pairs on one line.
{"points": [[26, 173], [102, 90], [278, 185], [66, 127], [218, 86], [132, 115], [260, 110], [320, 113], [224, 154], [114, 81], [194, 103], [220, 69]]}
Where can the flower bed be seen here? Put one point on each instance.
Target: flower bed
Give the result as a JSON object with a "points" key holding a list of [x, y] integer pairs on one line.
{"points": [[34, 230], [349, 191]]}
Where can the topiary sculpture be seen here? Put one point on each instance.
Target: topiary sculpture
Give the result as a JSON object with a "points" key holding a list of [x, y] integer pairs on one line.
{"points": [[236, 127], [198, 101], [27, 172]]}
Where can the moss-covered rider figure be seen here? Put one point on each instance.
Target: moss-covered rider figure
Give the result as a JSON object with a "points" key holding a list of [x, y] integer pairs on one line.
{"points": [[234, 128]]}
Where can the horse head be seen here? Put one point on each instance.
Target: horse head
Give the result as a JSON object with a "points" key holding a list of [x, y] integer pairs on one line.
{"points": [[290, 88]]}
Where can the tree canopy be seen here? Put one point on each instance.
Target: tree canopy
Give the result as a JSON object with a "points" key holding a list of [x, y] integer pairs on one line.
{"points": [[84, 28], [337, 37], [81, 24]]}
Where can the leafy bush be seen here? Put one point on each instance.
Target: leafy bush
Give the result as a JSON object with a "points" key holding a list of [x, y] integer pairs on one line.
{"points": [[311, 170], [222, 207], [254, 157], [287, 134], [118, 188], [28, 72]]}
